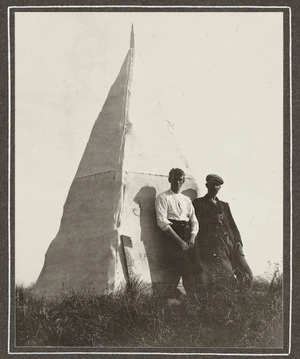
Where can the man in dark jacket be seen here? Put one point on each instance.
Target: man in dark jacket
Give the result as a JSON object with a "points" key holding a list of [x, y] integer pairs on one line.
{"points": [[220, 246]]}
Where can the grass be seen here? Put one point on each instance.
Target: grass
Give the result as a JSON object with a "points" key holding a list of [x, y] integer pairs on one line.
{"points": [[132, 317]]}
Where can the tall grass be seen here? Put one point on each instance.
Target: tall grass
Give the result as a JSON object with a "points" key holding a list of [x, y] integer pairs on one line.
{"points": [[132, 317]]}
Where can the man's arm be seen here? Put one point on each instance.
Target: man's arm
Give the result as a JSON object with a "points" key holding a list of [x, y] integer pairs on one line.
{"points": [[174, 236], [161, 207], [194, 226], [233, 226]]}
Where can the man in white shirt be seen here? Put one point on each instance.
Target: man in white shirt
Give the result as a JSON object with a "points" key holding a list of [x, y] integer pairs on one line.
{"points": [[176, 218]]}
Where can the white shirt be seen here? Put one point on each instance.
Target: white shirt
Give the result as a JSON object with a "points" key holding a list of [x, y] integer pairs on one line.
{"points": [[175, 206]]}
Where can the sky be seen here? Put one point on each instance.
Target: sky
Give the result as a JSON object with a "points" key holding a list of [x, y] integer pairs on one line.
{"points": [[219, 78]]}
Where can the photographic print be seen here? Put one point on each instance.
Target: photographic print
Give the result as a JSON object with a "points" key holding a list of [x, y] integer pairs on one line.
{"points": [[150, 180]]}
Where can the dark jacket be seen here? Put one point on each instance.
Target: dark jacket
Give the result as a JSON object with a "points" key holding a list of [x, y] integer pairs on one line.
{"points": [[209, 226]]}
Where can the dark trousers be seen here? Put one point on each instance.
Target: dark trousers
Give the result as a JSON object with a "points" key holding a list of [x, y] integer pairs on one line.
{"points": [[241, 268], [224, 261], [179, 263]]}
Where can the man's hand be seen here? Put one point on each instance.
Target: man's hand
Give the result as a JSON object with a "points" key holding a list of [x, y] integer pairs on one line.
{"points": [[172, 234], [191, 241], [184, 245]]}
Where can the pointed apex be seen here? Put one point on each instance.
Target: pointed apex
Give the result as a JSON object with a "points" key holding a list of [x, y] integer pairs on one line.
{"points": [[132, 38]]}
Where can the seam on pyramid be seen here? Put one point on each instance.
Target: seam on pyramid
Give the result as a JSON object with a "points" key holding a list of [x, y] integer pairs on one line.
{"points": [[136, 172], [126, 107], [118, 221], [96, 173], [126, 112]]}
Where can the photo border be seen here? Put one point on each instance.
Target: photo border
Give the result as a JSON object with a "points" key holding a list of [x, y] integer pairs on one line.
{"points": [[287, 172]]}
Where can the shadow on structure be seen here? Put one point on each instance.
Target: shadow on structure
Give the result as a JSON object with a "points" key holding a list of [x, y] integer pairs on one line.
{"points": [[191, 193], [151, 236]]}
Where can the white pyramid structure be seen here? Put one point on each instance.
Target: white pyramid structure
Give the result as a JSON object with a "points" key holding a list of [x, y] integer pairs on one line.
{"points": [[108, 231]]}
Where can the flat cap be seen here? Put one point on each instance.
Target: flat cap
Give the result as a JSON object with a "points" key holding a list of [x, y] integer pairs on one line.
{"points": [[215, 178]]}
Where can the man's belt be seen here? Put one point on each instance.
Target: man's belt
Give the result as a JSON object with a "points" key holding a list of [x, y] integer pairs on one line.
{"points": [[177, 223]]}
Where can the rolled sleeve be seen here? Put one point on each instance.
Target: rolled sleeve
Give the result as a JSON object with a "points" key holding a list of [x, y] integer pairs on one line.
{"points": [[161, 207], [193, 220]]}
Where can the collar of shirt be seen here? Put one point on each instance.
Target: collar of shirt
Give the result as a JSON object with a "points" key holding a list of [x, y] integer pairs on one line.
{"points": [[174, 193], [210, 200], [178, 206]]}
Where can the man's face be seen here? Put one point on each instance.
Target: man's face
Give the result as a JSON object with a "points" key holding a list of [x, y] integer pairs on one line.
{"points": [[176, 181], [213, 187]]}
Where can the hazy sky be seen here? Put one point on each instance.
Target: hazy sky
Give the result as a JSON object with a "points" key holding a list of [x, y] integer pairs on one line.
{"points": [[219, 78]]}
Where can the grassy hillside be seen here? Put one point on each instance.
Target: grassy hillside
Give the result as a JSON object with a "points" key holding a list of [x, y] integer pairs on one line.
{"points": [[132, 317]]}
